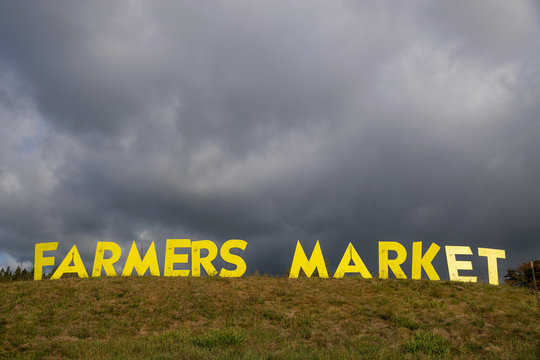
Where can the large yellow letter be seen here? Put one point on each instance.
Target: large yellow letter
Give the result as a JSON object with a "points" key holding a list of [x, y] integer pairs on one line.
{"points": [[454, 266], [300, 261], [225, 253], [171, 258], [358, 267], [40, 261], [65, 267], [419, 261], [107, 264], [134, 261], [492, 256], [206, 262], [394, 264]]}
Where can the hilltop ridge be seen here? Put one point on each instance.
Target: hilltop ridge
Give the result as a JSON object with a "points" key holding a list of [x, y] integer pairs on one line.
{"points": [[265, 317]]}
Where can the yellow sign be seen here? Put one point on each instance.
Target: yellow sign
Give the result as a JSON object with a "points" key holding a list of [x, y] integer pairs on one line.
{"points": [[419, 262], [149, 262], [72, 262]]}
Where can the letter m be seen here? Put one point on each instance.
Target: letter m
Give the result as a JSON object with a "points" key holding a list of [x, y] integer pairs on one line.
{"points": [[300, 261], [134, 261]]}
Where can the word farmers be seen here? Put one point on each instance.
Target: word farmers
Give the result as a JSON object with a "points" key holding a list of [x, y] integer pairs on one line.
{"points": [[419, 262], [149, 262]]}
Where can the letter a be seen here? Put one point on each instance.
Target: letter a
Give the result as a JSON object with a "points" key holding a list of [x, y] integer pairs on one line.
{"points": [[65, 267], [358, 267]]}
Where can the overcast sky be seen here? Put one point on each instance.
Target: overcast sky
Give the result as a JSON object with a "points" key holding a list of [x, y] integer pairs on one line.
{"points": [[272, 122]]}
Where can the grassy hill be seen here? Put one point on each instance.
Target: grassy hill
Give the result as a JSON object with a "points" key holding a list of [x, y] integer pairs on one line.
{"points": [[264, 317]]}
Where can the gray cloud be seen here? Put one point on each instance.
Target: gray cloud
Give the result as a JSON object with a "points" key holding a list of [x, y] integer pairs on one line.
{"points": [[270, 122]]}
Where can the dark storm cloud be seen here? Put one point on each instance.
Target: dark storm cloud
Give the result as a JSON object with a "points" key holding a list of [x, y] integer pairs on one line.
{"points": [[271, 122]]}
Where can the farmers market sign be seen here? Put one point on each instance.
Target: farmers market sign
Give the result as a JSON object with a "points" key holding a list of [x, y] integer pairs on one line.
{"points": [[392, 255]]}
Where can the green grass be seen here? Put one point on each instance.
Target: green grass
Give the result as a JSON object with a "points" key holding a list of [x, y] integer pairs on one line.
{"points": [[426, 343], [265, 318]]}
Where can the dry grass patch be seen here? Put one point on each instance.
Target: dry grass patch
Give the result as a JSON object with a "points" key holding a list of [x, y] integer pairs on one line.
{"points": [[264, 317]]}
